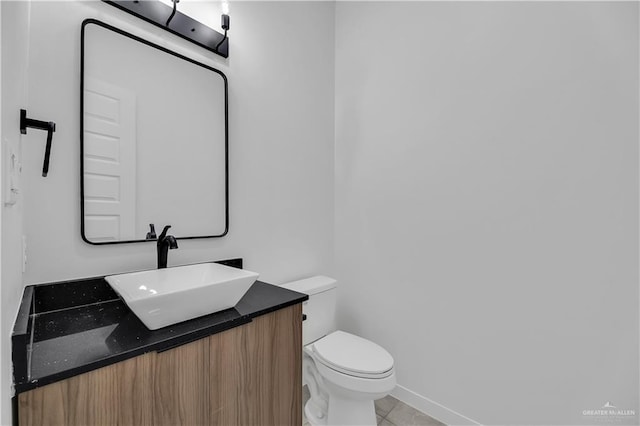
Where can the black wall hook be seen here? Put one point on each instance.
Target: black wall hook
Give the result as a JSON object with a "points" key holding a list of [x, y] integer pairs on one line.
{"points": [[49, 126]]}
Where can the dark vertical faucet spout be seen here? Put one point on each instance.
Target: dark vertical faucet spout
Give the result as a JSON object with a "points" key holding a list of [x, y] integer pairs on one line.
{"points": [[165, 243]]}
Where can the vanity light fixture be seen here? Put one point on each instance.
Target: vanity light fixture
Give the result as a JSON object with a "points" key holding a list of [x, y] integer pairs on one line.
{"points": [[175, 7], [225, 15], [172, 20], [224, 21]]}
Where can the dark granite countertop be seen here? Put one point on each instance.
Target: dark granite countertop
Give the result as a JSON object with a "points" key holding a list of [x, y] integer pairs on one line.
{"points": [[67, 328]]}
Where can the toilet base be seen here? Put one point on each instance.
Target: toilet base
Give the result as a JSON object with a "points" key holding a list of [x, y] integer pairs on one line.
{"points": [[312, 415], [345, 412], [351, 412]]}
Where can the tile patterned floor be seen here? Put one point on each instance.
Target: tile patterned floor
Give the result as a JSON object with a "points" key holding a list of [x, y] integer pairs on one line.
{"points": [[390, 412]]}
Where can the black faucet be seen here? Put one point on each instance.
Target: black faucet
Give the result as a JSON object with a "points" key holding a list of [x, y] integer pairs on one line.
{"points": [[165, 242]]}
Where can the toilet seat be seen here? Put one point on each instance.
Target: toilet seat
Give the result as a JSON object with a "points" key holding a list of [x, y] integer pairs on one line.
{"points": [[353, 355]]}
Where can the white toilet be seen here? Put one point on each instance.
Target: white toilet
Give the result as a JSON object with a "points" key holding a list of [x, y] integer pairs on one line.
{"points": [[345, 373]]}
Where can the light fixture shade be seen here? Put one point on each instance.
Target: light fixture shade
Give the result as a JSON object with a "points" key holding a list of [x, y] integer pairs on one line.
{"points": [[182, 25]]}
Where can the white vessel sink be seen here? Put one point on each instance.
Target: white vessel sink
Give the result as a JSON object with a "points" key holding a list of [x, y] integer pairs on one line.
{"points": [[163, 297]]}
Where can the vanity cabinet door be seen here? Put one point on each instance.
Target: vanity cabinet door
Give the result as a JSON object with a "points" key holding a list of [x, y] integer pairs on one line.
{"points": [[180, 387], [256, 372], [248, 375], [118, 394]]}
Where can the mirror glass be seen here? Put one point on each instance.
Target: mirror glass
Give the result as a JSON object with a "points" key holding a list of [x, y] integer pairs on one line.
{"points": [[154, 140]]}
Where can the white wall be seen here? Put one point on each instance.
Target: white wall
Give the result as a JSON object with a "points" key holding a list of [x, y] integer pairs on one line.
{"points": [[281, 143], [487, 203], [15, 41], [4, 349]]}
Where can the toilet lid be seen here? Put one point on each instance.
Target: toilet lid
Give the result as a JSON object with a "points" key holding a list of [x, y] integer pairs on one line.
{"points": [[353, 355]]}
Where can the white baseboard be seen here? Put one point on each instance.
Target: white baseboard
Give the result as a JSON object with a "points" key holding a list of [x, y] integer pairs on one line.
{"points": [[432, 408]]}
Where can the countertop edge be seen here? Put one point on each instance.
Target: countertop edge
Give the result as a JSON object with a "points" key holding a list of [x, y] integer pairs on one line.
{"points": [[21, 336], [156, 347]]}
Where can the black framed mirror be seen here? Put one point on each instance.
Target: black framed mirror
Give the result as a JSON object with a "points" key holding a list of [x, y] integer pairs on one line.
{"points": [[154, 140]]}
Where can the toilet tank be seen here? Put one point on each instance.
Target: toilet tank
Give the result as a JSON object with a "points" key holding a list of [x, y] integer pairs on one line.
{"points": [[320, 309]]}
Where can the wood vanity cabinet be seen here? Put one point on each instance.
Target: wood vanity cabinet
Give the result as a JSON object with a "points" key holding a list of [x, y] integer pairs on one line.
{"points": [[248, 375]]}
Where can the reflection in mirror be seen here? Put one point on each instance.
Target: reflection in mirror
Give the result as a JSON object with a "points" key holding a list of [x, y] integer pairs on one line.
{"points": [[154, 140]]}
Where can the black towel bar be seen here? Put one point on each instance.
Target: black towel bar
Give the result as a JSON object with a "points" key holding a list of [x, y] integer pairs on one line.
{"points": [[49, 126]]}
